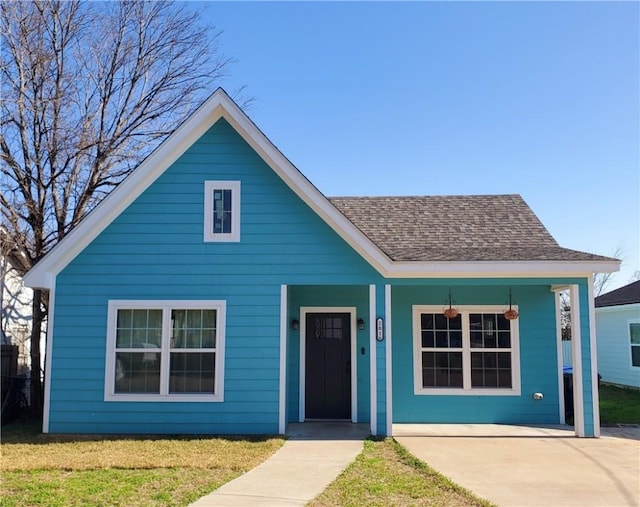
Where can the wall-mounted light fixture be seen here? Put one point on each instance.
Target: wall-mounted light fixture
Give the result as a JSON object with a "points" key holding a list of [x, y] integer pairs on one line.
{"points": [[361, 324], [295, 324]]}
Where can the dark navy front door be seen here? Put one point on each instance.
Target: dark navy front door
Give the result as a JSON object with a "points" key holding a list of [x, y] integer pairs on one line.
{"points": [[328, 366]]}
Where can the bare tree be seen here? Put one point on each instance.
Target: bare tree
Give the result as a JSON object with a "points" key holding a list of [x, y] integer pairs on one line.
{"points": [[88, 89], [602, 280]]}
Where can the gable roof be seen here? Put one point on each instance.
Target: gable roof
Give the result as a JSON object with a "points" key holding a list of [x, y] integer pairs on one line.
{"points": [[456, 228], [351, 228], [626, 295]]}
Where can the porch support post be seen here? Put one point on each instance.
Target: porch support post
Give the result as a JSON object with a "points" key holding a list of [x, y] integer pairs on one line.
{"points": [[373, 402], [576, 352], [560, 358], [282, 405], [387, 332], [594, 360]]}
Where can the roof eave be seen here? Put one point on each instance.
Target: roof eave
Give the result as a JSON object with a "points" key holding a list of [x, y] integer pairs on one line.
{"points": [[501, 269]]}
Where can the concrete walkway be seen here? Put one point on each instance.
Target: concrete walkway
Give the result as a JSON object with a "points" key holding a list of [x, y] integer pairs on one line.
{"points": [[532, 466], [314, 455]]}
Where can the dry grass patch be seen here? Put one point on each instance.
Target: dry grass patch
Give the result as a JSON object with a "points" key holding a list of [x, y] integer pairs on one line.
{"points": [[386, 474], [80, 470], [69, 453]]}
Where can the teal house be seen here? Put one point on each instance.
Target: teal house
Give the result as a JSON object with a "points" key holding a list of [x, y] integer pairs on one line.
{"points": [[217, 291]]}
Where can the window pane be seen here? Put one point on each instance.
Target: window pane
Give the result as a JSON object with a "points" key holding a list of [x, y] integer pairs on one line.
{"points": [[209, 319], [503, 324], [490, 340], [428, 359], [208, 338], [426, 321], [124, 319], [635, 355], [491, 369], [634, 333], [123, 338], [442, 369], [455, 338], [137, 372], [139, 328], [504, 339], [427, 339], [189, 331], [476, 339], [222, 211], [442, 339], [192, 372]]}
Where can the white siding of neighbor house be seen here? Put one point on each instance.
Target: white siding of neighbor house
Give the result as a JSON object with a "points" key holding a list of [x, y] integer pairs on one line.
{"points": [[16, 312], [614, 348]]}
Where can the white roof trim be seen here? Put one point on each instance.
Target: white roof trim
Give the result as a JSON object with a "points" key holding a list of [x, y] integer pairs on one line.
{"points": [[618, 308], [220, 105]]}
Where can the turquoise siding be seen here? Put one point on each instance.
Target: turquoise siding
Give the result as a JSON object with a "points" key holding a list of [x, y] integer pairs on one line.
{"points": [[155, 250], [326, 296], [538, 361]]}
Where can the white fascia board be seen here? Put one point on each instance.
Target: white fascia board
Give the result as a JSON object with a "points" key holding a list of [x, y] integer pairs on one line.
{"points": [[618, 308], [500, 269]]}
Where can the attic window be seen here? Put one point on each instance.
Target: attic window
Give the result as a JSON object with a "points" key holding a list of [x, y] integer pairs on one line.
{"points": [[222, 211]]}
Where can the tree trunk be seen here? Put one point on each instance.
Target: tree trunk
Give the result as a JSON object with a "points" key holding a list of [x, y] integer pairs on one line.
{"points": [[37, 397]]}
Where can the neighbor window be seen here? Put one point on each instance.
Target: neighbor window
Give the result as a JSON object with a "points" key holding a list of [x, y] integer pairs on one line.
{"points": [[473, 353], [222, 211], [165, 350], [634, 339]]}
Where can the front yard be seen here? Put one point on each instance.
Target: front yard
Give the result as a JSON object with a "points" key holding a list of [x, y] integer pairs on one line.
{"points": [[120, 471], [80, 470]]}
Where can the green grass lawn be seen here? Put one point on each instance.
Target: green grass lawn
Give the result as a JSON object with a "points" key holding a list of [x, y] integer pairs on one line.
{"points": [[81, 470], [386, 474], [618, 405]]}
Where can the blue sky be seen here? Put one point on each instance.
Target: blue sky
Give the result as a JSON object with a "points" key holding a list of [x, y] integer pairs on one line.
{"points": [[423, 98]]}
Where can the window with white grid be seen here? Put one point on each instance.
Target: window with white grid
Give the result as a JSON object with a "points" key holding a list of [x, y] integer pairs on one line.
{"points": [[165, 350], [475, 352]]}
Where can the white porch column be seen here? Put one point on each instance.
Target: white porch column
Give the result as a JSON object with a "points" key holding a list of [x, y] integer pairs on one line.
{"points": [[282, 405], [373, 398], [594, 360], [389, 369], [576, 356]]}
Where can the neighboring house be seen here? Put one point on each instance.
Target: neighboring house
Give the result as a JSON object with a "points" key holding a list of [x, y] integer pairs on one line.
{"points": [[216, 290], [618, 332], [15, 323]]}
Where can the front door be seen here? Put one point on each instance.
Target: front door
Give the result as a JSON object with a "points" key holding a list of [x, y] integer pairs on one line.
{"points": [[328, 366]]}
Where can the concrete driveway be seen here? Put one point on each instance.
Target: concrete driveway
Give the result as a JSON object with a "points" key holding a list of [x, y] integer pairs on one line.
{"points": [[532, 466]]}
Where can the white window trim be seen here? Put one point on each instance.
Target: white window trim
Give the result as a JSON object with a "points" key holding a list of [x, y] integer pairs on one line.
{"points": [[234, 235], [630, 345], [166, 306], [467, 390]]}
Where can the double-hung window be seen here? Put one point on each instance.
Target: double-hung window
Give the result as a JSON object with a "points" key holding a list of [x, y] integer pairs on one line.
{"points": [[222, 211], [165, 351], [634, 342], [475, 353]]}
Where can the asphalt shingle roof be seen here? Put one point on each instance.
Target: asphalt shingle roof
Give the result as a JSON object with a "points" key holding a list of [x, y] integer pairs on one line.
{"points": [[626, 295], [455, 228]]}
